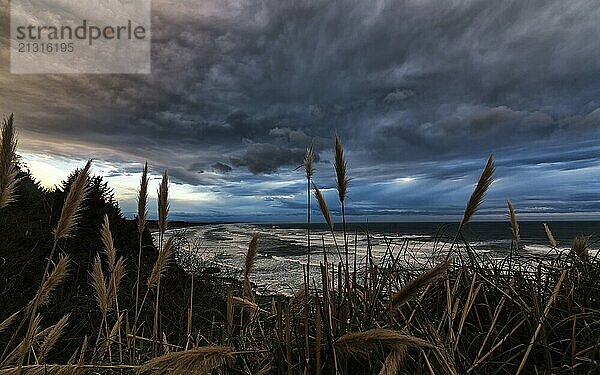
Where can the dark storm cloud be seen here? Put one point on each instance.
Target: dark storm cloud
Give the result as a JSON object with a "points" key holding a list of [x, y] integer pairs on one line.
{"points": [[221, 167], [415, 88], [267, 158]]}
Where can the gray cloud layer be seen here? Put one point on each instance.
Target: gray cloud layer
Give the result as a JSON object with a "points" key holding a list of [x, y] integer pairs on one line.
{"points": [[415, 88]]}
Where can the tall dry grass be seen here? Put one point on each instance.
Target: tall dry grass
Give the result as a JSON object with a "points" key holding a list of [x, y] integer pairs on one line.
{"points": [[8, 162], [512, 215], [248, 265], [476, 199], [473, 315], [309, 170], [200, 360], [67, 222], [164, 253], [142, 215]]}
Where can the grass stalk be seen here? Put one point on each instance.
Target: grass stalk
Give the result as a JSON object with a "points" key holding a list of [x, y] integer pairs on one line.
{"points": [[476, 199], [549, 304], [8, 162], [141, 221]]}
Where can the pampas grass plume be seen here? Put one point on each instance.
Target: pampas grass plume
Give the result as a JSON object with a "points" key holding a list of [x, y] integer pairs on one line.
{"points": [[323, 206], [485, 180], [363, 343], [143, 200], [411, 288], [200, 360], [8, 158], [163, 202], [71, 211]]}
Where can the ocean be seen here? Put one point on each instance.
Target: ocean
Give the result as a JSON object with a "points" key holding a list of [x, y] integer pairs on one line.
{"points": [[282, 250]]}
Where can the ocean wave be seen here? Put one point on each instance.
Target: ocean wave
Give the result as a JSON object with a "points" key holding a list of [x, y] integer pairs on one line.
{"points": [[282, 252]]}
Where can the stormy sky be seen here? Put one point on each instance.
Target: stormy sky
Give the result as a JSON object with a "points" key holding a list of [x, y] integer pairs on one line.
{"points": [[419, 91]]}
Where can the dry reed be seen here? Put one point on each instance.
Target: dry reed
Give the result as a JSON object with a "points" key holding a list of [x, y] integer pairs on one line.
{"points": [[163, 203], [26, 344], [513, 223], [309, 159], [158, 272], [544, 315], [68, 369], [247, 304], [161, 264], [394, 360], [116, 267], [412, 287], [309, 170], [580, 247], [107, 243], [51, 282], [71, 211], [99, 285], [323, 206], [8, 165], [142, 200], [141, 225], [476, 199], [200, 360], [116, 275], [550, 235], [341, 166], [8, 321], [249, 264], [342, 181], [364, 343], [52, 338]]}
